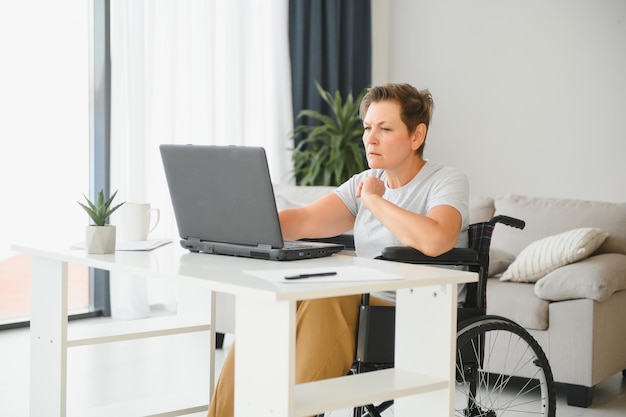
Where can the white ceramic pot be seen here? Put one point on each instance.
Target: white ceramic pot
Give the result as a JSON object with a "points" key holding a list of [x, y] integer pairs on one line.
{"points": [[100, 239]]}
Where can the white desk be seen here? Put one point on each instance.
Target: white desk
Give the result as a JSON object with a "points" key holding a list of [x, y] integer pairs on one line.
{"points": [[423, 377]]}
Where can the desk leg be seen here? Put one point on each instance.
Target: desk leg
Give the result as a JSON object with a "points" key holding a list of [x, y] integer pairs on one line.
{"points": [[212, 345], [264, 358], [48, 337], [192, 302], [426, 343]]}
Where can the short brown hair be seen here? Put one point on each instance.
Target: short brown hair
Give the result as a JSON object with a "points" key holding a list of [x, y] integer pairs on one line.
{"points": [[416, 106]]}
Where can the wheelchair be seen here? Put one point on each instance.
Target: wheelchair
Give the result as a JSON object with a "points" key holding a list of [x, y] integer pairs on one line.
{"points": [[514, 380]]}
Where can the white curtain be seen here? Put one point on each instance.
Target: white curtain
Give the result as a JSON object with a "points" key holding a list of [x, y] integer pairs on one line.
{"points": [[193, 71]]}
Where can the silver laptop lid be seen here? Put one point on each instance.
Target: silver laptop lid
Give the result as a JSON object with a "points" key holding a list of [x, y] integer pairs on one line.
{"points": [[222, 194]]}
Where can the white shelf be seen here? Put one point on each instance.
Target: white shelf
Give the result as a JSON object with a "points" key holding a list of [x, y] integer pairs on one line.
{"points": [[116, 331], [366, 388], [164, 406]]}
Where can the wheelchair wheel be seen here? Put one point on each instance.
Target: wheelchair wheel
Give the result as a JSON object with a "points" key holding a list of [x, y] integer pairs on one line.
{"points": [[501, 371]]}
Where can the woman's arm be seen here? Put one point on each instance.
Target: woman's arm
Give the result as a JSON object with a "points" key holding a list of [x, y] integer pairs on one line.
{"points": [[432, 234], [326, 217]]}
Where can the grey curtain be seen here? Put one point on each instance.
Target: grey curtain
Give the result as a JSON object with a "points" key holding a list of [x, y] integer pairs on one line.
{"points": [[330, 42]]}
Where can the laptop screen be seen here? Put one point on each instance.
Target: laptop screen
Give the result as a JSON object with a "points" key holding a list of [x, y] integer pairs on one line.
{"points": [[222, 194]]}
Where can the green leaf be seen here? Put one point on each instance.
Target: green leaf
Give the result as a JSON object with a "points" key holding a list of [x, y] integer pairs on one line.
{"points": [[329, 149], [100, 211]]}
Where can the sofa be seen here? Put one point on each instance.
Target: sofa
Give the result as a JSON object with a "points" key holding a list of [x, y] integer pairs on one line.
{"points": [[563, 278], [570, 295]]}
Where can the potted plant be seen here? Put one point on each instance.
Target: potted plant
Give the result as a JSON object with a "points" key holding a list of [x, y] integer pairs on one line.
{"points": [[100, 236], [331, 150]]}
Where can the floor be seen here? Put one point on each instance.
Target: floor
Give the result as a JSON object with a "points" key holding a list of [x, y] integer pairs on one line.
{"points": [[142, 377]]}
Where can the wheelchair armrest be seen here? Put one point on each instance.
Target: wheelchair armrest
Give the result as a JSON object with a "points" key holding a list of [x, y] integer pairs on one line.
{"points": [[455, 256]]}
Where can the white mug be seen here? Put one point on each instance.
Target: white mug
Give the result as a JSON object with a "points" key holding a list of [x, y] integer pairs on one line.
{"points": [[136, 219]]}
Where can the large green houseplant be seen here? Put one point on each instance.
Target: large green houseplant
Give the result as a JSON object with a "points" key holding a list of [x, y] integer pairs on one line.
{"points": [[99, 236], [330, 149]]}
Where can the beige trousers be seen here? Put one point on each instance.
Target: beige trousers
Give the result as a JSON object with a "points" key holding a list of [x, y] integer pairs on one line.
{"points": [[325, 347]]}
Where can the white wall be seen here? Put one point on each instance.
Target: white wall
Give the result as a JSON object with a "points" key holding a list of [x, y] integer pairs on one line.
{"points": [[530, 95]]}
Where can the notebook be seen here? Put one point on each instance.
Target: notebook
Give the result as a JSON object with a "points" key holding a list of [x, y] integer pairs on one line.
{"points": [[224, 204]]}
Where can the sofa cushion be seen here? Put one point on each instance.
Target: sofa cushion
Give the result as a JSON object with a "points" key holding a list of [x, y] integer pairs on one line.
{"points": [[518, 302], [548, 216], [499, 261], [596, 278], [550, 253], [481, 209]]}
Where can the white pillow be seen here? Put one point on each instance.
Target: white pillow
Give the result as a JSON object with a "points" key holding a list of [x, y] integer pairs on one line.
{"points": [[547, 254]]}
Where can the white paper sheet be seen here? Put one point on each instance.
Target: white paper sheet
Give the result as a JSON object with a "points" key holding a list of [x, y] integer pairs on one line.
{"points": [[344, 274]]}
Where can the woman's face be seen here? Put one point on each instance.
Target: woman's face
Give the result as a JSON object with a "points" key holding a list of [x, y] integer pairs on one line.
{"points": [[388, 144]]}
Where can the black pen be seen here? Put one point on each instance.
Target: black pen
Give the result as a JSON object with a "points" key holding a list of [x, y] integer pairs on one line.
{"points": [[318, 274]]}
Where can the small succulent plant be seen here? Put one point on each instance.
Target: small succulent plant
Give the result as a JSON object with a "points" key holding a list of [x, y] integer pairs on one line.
{"points": [[101, 210]]}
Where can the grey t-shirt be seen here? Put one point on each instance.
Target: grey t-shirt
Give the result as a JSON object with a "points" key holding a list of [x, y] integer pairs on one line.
{"points": [[434, 185]]}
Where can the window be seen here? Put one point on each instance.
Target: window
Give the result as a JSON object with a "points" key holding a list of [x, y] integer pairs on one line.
{"points": [[44, 160]]}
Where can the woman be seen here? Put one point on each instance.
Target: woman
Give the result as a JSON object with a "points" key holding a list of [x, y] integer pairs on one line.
{"points": [[402, 199]]}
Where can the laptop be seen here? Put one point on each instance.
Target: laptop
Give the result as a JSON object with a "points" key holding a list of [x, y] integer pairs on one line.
{"points": [[224, 203]]}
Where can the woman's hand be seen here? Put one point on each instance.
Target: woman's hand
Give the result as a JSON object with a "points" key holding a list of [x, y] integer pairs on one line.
{"points": [[370, 185]]}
